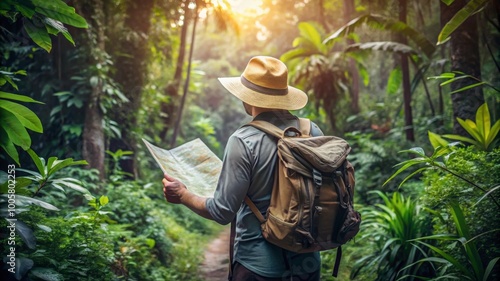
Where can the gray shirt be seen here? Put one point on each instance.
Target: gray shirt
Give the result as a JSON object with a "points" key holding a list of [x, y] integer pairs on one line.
{"points": [[248, 169]]}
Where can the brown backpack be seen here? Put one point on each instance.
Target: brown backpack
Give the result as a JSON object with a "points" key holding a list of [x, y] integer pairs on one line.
{"points": [[311, 207]]}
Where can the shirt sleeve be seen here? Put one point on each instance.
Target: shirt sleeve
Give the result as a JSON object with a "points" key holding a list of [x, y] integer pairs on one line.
{"points": [[234, 181]]}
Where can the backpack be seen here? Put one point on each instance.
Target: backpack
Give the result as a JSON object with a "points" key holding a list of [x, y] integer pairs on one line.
{"points": [[311, 207]]}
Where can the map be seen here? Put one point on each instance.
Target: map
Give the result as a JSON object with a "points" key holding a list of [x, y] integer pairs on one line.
{"points": [[192, 163]]}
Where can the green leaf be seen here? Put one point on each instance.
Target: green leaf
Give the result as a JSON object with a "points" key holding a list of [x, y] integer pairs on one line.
{"points": [[483, 121], [26, 233], [71, 183], [309, 32], [453, 80], [15, 130], [436, 140], [395, 81], [150, 242], [23, 265], [38, 162], [54, 27], [445, 75], [387, 46], [58, 10], [60, 164], [446, 256], [463, 231], [103, 200], [460, 17], [26, 11], [448, 2], [388, 24], [412, 174], [461, 138], [471, 128], [44, 228], [39, 35], [26, 201], [47, 274], [489, 268], [27, 117], [10, 96], [493, 133], [407, 165], [468, 87], [297, 53], [8, 146], [415, 150]]}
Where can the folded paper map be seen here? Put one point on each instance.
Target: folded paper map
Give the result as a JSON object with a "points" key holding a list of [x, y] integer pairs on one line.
{"points": [[192, 163]]}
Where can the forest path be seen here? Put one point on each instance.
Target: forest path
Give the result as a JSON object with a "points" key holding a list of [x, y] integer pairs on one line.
{"points": [[216, 261]]}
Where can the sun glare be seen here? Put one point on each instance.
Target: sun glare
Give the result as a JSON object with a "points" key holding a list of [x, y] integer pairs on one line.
{"points": [[245, 6]]}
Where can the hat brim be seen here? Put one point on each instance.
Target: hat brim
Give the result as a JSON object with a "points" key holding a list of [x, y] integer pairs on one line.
{"points": [[293, 100]]}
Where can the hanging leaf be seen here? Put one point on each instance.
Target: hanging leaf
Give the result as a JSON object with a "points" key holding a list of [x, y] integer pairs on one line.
{"points": [[459, 18], [394, 82], [26, 234], [10, 96], [39, 35], [60, 11], [27, 117], [15, 130], [8, 146], [389, 24], [55, 27]]}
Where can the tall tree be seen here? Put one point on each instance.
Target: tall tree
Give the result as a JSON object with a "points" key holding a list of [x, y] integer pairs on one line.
{"points": [[93, 133], [405, 70], [172, 89], [224, 19], [349, 14], [130, 73], [464, 57]]}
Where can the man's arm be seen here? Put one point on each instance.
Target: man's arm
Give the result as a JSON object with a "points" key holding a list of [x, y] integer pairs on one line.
{"points": [[177, 193]]}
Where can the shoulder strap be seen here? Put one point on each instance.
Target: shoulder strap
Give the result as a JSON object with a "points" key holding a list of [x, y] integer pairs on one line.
{"points": [[254, 209], [267, 127], [305, 126]]}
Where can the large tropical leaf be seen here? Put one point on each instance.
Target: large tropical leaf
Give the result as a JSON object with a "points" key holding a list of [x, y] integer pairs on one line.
{"points": [[16, 132], [10, 96], [458, 19], [27, 117], [383, 46], [385, 23], [60, 11], [38, 34]]}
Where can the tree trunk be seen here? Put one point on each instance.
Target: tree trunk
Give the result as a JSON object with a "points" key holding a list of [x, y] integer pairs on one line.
{"points": [[464, 52], [130, 73], [186, 83], [349, 13], [172, 89], [93, 149], [410, 135]]}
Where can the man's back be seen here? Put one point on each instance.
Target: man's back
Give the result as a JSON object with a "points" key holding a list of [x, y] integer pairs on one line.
{"points": [[249, 164]]}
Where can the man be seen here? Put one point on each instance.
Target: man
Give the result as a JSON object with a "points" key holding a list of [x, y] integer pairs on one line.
{"points": [[248, 169]]}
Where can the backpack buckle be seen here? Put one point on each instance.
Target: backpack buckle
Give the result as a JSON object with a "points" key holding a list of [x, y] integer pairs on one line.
{"points": [[317, 177]]}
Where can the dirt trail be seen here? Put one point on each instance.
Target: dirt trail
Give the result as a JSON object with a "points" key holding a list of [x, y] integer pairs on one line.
{"points": [[216, 262]]}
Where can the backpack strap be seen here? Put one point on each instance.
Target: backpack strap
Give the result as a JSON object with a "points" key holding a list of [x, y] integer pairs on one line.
{"points": [[254, 209], [305, 126], [267, 128]]}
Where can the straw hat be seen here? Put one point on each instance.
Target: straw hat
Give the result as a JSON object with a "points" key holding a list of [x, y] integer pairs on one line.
{"points": [[264, 83]]}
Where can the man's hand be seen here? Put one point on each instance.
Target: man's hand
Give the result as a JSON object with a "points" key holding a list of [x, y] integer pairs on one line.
{"points": [[173, 189]]}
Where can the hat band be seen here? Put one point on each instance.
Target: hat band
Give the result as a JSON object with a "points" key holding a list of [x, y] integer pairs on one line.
{"points": [[263, 90]]}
